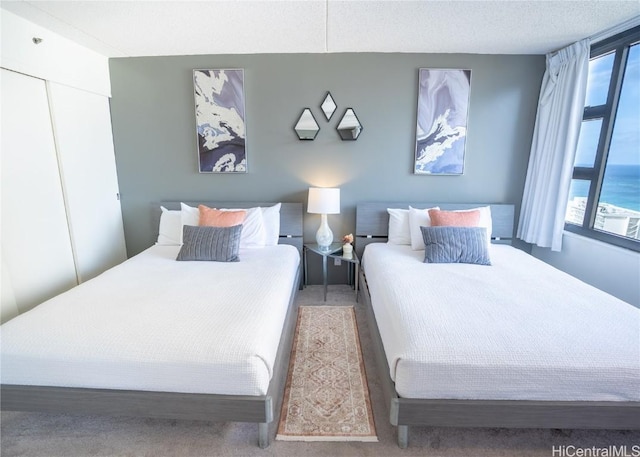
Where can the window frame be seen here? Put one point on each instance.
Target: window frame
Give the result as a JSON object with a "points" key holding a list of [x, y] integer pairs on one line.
{"points": [[618, 44]]}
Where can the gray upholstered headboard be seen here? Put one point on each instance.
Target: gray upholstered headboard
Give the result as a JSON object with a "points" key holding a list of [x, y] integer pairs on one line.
{"points": [[290, 216], [372, 220]]}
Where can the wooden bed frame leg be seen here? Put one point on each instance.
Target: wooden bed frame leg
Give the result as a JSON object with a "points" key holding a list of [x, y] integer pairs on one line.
{"points": [[263, 435], [403, 436]]}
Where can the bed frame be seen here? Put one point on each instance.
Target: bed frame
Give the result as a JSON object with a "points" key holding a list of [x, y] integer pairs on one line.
{"points": [[171, 405], [372, 221]]}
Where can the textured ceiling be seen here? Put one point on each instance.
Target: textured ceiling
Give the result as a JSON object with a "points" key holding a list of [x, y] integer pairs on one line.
{"points": [[152, 28]]}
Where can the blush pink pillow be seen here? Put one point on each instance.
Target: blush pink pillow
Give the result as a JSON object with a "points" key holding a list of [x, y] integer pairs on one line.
{"points": [[215, 218], [454, 218]]}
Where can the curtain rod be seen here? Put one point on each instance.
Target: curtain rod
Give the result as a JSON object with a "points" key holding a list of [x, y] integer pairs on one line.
{"points": [[626, 25], [604, 34]]}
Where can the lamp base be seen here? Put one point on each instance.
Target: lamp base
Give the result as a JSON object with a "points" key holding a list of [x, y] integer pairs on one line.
{"points": [[324, 235]]}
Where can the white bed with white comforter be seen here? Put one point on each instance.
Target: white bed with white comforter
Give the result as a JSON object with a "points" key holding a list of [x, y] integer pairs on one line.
{"points": [[504, 340], [155, 324], [516, 330]]}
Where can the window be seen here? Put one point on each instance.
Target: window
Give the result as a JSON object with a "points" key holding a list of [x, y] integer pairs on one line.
{"points": [[604, 198]]}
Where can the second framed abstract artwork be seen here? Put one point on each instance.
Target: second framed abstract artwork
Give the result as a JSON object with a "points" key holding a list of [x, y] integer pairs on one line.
{"points": [[220, 120], [441, 132]]}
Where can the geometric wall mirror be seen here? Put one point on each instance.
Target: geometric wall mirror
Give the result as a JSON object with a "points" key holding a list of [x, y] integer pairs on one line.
{"points": [[307, 128], [349, 127], [328, 106]]}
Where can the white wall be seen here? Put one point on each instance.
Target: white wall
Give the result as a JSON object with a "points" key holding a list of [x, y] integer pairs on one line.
{"points": [[55, 59], [610, 268], [61, 221]]}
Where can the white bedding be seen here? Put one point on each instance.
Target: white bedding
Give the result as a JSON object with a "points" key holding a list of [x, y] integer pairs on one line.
{"points": [[156, 324], [518, 329]]}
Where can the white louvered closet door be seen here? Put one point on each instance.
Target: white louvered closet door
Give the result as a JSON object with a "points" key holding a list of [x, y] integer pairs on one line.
{"points": [[36, 247]]}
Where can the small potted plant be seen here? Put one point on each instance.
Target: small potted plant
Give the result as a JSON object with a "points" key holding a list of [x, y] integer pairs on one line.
{"points": [[347, 248]]}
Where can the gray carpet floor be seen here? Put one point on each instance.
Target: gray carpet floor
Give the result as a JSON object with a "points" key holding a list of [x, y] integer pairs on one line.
{"points": [[49, 435]]}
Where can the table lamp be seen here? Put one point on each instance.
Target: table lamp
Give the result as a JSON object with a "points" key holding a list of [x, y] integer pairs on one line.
{"points": [[324, 201]]}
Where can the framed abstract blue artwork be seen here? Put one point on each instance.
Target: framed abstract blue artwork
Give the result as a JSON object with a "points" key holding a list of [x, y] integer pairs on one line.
{"points": [[441, 132], [220, 120]]}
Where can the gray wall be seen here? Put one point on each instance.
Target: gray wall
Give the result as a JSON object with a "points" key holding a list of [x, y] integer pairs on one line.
{"points": [[610, 268], [154, 132]]}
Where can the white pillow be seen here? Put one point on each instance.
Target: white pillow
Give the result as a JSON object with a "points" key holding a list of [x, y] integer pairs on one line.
{"points": [[253, 231], [399, 232], [189, 216], [170, 229], [418, 218], [271, 220], [485, 219]]}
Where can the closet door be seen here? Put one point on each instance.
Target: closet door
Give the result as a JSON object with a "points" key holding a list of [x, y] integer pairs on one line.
{"points": [[82, 126], [36, 247]]}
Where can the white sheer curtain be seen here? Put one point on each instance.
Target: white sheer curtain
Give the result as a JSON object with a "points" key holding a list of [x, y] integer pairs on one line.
{"points": [[553, 148]]}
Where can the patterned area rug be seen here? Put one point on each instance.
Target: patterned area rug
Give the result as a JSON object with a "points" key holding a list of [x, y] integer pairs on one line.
{"points": [[326, 397]]}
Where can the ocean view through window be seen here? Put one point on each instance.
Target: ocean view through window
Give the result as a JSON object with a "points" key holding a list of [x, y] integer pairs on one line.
{"points": [[604, 198]]}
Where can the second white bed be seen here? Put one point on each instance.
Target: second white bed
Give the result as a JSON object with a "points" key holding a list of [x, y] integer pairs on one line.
{"points": [[156, 324], [516, 330]]}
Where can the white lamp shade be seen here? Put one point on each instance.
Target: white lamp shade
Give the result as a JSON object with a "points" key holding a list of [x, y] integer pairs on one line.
{"points": [[323, 200]]}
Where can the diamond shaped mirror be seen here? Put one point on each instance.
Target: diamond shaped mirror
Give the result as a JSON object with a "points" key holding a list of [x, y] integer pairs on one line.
{"points": [[328, 106], [307, 128], [349, 127]]}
